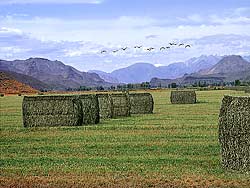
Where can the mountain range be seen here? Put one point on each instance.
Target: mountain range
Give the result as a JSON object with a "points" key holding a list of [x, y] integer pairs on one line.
{"points": [[144, 72], [228, 69], [51, 74], [43, 74]]}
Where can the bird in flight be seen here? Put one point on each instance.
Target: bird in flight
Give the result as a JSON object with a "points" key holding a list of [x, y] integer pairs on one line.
{"points": [[124, 48], [162, 48], [114, 51], [149, 49], [103, 51], [188, 46], [181, 44], [172, 44], [168, 47], [138, 47]]}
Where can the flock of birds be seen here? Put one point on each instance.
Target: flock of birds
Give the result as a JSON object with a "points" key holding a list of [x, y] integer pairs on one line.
{"points": [[151, 48]]}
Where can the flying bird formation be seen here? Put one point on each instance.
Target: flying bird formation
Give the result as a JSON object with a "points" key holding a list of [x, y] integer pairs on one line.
{"points": [[171, 44]]}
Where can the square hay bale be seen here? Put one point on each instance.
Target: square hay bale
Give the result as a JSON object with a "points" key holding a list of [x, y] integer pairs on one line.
{"points": [[141, 103], [90, 109], [234, 133], [105, 106], [121, 105], [183, 97], [51, 111]]}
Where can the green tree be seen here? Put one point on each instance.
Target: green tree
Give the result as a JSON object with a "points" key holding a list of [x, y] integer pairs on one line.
{"points": [[237, 82], [173, 85]]}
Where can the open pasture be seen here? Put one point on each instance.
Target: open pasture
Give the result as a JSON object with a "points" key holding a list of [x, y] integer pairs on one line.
{"points": [[176, 146]]}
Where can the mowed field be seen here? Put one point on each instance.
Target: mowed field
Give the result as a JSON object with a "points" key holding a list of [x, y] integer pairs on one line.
{"points": [[177, 146]]}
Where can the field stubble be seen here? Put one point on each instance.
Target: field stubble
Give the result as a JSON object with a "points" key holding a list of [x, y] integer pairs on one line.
{"points": [[177, 146]]}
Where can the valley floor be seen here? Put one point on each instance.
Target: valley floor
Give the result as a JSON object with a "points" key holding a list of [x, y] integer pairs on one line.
{"points": [[177, 146]]}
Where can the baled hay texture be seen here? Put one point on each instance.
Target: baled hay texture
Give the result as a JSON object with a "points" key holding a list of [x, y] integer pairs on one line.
{"points": [[90, 109], [183, 97], [51, 111], [121, 105], [141, 103], [234, 133], [247, 90], [105, 105]]}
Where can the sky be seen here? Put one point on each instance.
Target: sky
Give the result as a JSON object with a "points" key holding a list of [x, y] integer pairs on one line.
{"points": [[76, 31]]}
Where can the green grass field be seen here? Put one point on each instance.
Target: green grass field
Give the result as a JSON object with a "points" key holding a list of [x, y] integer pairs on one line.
{"points": [[177, 146]]}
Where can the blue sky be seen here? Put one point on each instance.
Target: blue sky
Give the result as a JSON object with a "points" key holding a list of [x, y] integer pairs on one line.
{"points": [[75, 31]]}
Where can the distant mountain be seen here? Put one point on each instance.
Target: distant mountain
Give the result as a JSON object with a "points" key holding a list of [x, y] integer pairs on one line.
{"points": [[142, 72], [232, 68], [201, 63], [53, 73], [9, 85], [105, 76], [136, 73], [229, 65], [228, 69], [247, 58]]}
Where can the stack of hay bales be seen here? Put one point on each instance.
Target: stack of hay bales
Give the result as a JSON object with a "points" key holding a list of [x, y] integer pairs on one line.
{"points": [[121, 105], [90, 109], [247, 90], [234, 133], [141, 103], [51, 111], [105, 105], [183, 97]]}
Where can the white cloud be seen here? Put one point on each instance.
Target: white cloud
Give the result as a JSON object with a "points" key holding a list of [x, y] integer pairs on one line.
{"points": [[51, 1], [229, 20], [16, 44], [10, 30], [123, 30]]}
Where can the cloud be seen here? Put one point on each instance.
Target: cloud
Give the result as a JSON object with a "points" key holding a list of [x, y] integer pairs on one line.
{"points": [[151, 36], [50, 2], [16, 44], [214, 19]]}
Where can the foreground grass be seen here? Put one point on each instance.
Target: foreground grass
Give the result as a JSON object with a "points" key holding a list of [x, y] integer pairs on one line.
{"points": [[177, 146]]}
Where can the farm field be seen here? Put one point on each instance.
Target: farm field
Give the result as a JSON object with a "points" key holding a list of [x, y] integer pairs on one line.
{"points": [[177, 146]]}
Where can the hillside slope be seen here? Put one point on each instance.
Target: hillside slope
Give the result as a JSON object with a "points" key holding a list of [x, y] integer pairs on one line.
{"points": [[8, 85]]}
